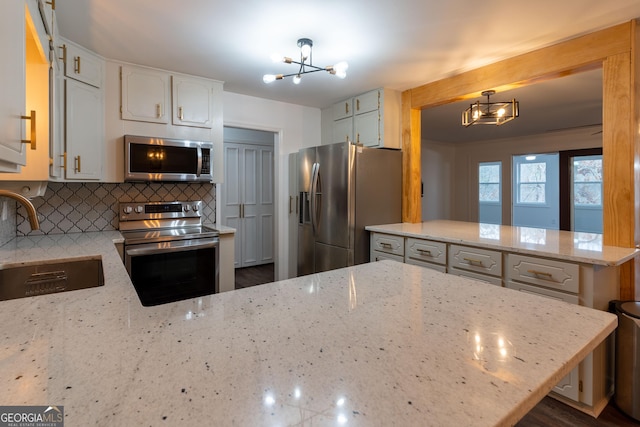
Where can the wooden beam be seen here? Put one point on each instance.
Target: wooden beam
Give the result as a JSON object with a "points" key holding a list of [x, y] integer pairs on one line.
{"points": [[559, 60], [411, 180]]}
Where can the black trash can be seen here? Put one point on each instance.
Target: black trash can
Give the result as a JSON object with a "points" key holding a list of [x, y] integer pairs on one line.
{"points": [[627, 359]]}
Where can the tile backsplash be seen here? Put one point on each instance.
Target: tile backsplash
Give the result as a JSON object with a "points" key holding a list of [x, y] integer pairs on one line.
{"points": [[69, 207]]}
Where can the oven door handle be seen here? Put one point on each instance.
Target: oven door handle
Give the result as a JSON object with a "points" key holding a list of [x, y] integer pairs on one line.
{"points": [[175, 246]]}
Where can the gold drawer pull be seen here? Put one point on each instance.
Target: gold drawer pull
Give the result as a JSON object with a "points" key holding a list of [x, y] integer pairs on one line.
{"points": [[473, 261], [549, 276], [78, 168], [386, 245], [424, 252], [76, 64], [32, 119]]}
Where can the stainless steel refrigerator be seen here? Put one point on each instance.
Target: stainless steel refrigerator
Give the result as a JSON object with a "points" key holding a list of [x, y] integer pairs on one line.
{"points": [[343, 188]]}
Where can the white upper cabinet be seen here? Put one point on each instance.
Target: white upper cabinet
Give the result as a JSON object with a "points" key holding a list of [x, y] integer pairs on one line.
{"points": [[84, 131], [193, 101], [150, 95], [145, 94], [12, 85], [82, 65], [371, 119]]}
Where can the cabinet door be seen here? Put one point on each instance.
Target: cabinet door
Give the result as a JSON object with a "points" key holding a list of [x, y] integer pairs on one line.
{"points": [[342, 109], [145, 94], [56, 124], [12, 82], [367, 128], [81, 65], [343, 130], [84, 130], [192, 101], [366, 102]]}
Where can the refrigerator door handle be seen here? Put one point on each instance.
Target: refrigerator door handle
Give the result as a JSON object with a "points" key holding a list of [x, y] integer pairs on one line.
{"points": [[315, 172]]}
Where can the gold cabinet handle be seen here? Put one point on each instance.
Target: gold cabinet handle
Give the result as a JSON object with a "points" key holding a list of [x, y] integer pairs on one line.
{"points": [[76, 64], [180, 115], [346, 108], [545, 274], [77, 166], [31, 118], [64, 53], [473, 261], [358, 104], [64, 161], [52, 3], [386, 245], [290, 204], [159, 110], [424, 252]]}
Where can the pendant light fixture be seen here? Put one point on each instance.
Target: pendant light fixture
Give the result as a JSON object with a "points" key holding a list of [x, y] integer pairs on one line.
{"points": [[490, 113], [306, 65]]}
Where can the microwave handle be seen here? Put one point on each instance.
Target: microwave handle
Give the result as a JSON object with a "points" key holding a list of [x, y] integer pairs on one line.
{"points": [[199, 166]]}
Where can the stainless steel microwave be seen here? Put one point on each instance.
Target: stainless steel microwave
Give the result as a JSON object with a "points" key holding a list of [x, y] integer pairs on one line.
{"points": [[164, 159]]}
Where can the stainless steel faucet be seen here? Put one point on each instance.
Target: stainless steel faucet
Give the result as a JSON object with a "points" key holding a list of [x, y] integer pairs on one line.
{"points": [[31, 210]]}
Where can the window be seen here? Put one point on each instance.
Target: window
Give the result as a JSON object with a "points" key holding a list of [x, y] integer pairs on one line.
{"points": [[587, 181], [532, 182], [490, 192], [489, 181]]}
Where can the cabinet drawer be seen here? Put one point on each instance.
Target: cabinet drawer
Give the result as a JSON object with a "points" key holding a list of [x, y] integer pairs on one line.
{"points": [[438, 267], [558, 275], [475, 259], [379, 256], [497, 281], [425, 250], [387, 243]]}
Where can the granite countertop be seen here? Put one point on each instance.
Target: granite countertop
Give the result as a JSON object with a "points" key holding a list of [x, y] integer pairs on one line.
{"points": [[573, 246], [376, 344]]}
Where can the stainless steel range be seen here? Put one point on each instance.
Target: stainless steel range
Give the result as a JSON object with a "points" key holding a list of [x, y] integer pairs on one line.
{"points": [[168, 253]]}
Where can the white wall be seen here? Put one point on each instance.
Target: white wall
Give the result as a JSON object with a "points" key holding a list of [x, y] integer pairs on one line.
{"points": [[296, 127], [437, 163], [461, 194]]}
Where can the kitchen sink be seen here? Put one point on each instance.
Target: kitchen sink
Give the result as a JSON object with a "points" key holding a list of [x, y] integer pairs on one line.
{"points": [[49, 277]]}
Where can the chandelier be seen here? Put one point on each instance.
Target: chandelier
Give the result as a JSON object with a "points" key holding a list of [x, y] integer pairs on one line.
{"points": [[306, 65], [490, 113]]}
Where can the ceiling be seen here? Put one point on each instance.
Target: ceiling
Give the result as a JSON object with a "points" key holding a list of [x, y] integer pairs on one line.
{"points": [[396, 44]]}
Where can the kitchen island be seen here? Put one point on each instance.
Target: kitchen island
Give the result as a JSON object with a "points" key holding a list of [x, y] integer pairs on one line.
{"points": [[377, 344]]}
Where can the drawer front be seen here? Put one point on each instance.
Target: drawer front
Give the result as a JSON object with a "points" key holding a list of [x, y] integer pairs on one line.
{"points": [[438, 267], [425, 250], [549, 293], [379, 256], [497, 281], [475, 259], [558, 275], [387, 243]]}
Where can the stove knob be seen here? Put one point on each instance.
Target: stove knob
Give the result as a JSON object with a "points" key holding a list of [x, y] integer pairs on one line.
{"points": [[187, 208], [139, 209], [127, 209], [195, 208]]}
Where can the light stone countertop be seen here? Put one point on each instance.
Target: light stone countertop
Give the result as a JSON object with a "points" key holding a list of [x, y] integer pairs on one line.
{"points": [[377, 344], [564, 245]]}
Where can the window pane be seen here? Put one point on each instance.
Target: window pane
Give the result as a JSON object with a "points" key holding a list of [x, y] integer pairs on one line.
{"points": [[587, 170], [489, 174], [490, 192], [589, 194], [533, 172], [531, 193]]}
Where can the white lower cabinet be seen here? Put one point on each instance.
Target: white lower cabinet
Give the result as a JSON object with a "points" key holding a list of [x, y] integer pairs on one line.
{"points": [[589, 386]]}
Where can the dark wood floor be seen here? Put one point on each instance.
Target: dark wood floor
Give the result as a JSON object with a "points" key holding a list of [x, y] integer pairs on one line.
{"points": [[251, 276], [550, 412], [547, 413]]}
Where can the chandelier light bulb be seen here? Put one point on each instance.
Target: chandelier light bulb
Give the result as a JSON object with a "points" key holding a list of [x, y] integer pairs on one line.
{"points": [[296, 79], [275, 58], [269, 78], [341, 69]]}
